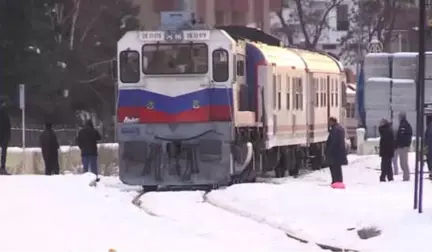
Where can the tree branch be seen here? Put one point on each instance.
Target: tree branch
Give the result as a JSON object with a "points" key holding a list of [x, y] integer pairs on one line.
{"points": [[323, 23], [91, 23]]}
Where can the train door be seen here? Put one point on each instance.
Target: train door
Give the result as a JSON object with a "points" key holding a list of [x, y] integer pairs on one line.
{"points": [[310, 107], [239, 72]]}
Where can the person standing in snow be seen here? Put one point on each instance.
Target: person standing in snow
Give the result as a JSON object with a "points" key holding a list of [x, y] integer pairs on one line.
{"points": [[87, 142], [395, 155], [336, 154], [5, 135], [386, 150], [403, 143], [50, 146]]}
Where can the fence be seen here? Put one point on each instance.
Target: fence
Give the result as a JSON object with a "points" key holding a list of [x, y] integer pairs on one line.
{"points": [[65, 136]]}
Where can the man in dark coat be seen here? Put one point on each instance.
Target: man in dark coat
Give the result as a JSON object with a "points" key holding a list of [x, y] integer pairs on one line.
{"points": [[386, 150], [5, 134], [336, 153], [49, 145], [403, 143], [87, 142]]}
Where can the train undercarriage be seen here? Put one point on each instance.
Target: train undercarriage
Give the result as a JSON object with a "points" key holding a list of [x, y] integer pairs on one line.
{"points": [[279, 161], [207, 157]]}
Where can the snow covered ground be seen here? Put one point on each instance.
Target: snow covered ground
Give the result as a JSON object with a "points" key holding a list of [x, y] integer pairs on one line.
{"points": [[311, 209], [63, 213]]}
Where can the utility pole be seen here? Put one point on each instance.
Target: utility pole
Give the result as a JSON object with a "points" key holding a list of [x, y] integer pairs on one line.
{"points": [[420, 88]]}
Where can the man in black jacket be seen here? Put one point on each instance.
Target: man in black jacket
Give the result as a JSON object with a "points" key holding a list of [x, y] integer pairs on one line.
{"points": [[49, 145], [336, 154], [403, 143], [5, 134], [386, 150], [87, 142]]}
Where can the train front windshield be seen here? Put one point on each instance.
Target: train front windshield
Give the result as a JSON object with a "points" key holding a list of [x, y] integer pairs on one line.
{"points": [[181, 58]]}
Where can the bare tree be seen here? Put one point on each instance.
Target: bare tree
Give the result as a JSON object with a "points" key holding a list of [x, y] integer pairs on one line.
{"points": [[307, 19], [372, 19]]}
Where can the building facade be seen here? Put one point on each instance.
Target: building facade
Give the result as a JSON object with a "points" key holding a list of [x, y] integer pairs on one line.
{"points": [[254, 13]]}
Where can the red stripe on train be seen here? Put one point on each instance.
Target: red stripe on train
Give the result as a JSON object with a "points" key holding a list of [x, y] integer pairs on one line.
{"points": [[202, 114]]}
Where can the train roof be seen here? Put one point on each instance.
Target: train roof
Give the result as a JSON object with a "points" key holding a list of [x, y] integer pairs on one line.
{"points": [[249, 33], [300, 59]]}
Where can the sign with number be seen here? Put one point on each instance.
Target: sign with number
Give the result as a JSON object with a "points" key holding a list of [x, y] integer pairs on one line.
{"points": [[173, 36], [196, 35], [152, 36]]}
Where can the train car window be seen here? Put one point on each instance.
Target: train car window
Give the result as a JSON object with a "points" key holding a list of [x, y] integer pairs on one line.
{"points": [[240, 67], [288, 92], [220, 65], [129, 67], [336, 93], [325, 86], [175, 58], [300, 93], [274, 91], [322, 93], [332, 90], [295, 90], [279, 92], [298, 89], [316, 90]]}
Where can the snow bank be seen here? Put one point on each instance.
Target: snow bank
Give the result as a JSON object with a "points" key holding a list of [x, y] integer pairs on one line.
{"points": [[30, 161], [370, 146]]}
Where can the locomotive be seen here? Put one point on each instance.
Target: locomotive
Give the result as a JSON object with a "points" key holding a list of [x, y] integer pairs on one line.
{"points": [[201, 106]]}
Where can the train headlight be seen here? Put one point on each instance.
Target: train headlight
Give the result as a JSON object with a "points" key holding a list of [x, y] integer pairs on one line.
{"points": [[195, 104], [150, 105]]}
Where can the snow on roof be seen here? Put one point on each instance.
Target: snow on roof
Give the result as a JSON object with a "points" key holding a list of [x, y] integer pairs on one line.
{"points": [[379, 79], [370, 55], [403, 81], [405, 54]]}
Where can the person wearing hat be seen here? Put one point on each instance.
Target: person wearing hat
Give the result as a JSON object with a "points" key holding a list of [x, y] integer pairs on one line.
{"points": [[386, 150], [5, 134], [50, 146]]}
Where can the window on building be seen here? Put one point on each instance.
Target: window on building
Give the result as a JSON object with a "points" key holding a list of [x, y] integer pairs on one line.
{"points": [[342, 17], [219, 17], [220, 65], [329, 46], [238, 18], [129, 67], [350, 110], [288, 92]]}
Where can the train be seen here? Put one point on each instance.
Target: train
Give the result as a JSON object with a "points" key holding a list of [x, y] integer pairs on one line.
{"points": [[201, 106]]}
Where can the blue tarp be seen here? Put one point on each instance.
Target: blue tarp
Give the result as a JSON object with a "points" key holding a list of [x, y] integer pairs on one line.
{"points": [[361, 113]]}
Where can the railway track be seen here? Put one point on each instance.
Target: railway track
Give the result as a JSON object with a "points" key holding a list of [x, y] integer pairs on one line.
{"points": [[209, 206]]}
